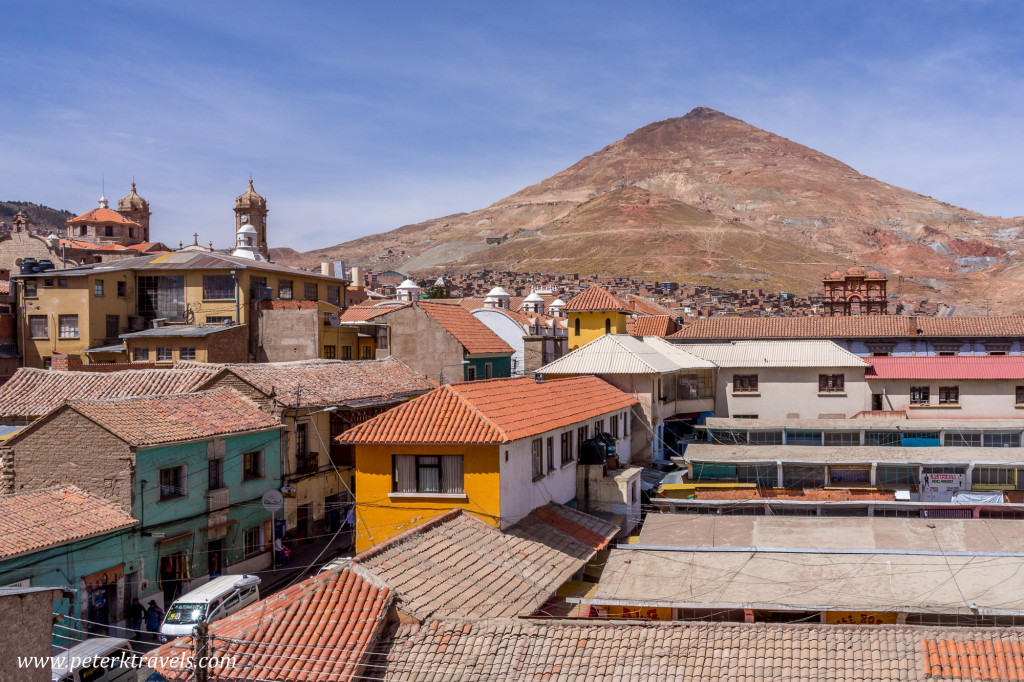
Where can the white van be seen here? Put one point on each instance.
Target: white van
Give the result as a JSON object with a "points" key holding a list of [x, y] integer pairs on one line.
{"points": [[99, 659], [216, 599]]}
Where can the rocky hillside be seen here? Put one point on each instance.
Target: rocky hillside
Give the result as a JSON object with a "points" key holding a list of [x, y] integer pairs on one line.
{"points": [[41, 218]]}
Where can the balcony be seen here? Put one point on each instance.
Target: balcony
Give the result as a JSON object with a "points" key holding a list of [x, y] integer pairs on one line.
{"points": [[217, 499], [308, 463]]}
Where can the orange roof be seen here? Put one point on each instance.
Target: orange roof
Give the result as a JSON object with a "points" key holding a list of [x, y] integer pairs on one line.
{"points": [[596, 298], [43, 518], [473, 334], [650, 325], [102, 215], [971, 326], [492, 411], [736, 328], [5, 286], [647, 306], [365, 313], [322, 630]]}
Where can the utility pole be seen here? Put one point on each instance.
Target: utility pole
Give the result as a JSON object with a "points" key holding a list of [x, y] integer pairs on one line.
{"points": [[201, 644]]}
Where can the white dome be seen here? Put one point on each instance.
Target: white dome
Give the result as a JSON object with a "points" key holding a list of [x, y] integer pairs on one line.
{"points": [[557, 303], [534, 297], [247, 229], [439, 282], [498, 291], [408, 284]]}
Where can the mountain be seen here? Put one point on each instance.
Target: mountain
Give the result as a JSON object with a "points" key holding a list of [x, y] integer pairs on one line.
{"points": [[41, 218], [709, 196]]}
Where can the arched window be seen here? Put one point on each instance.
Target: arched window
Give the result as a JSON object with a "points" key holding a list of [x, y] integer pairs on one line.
{"points": [[607, 326], [577, 326]]}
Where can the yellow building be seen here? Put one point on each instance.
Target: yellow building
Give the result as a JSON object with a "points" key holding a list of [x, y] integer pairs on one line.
{"points": [[74, 310], [498, 449], [593, 313]]}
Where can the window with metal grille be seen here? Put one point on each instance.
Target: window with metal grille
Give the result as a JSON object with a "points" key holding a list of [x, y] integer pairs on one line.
{"points": [[567, 451], [301, 439], [744, 383], [284, 289], [309, 291], [944, 470], [994, 476], [346, 352], [842, 438], [803, 476], [803, 437], [959, 439], [762, 475], [140, 354], [730, 436], [831, 383], [30, 292], [537, 456], [113, 326], [1001, 439], [187, 354], [765, 438], [334, 294], [882, 438], [365, 353], [428, 474], [97, 287], [218, 287], [256, 282], [68, 326], [164, 354], [219, 319], [920, 395], [693, 386], [330, 352], [949, 395], [162, 296], [551, 453], [37, 326], [173, 483]]}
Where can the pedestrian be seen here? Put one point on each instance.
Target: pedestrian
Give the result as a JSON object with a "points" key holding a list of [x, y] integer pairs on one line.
{"points": [[136, 614], [286, 555], [154, 614]]}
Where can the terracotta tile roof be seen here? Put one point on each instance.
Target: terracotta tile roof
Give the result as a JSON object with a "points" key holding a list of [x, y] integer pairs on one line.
{"points": [[957, 367], [473, 334], [492, 411], [971, 326], [320, 630], [31, 393], [5, 286], [30, 521], [102, 215], [320, 383], [596, 298], [153, 420], [647, 306], [650, 325], [863, 326], [568, 651], [365, 313], [457, 565]]}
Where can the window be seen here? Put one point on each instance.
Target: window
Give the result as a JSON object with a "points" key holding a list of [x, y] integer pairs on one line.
{"points": [[30, 291], [693, 386], [334, 294], [888, 474], [1002, 439], [301, 438], [576, 327], [47, 282], [882, 438], [252, 465], [567, 451], [428, 474], [331, 352], [164, 354], [582, 434], [919, 395], [108, 230], [607, 326], [667, 389], [346, 352], [216, 473], [803, 437], [37, 326], [744, 383], [537, 456], [949, 395], [253, 540], [765, 438], [831, 383], [842, 438], [959, 439], [113, 326], [162, 296], [219, 319], [218, 287], [762, 475], [173, 483], [365, 353], [1020, 395], [471, 373], [551, 453], [68, 326], [994, 476], [284, 289], [122, 289], [140, 354], [309, 291], [97, 287], [83, 231], [598, 427], [187, 354], [488, 370], [256, 282], [613, 425], [62, 282]]}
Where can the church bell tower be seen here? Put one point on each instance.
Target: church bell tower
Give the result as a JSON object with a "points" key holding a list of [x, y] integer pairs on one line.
{"points": [[251, 210]]}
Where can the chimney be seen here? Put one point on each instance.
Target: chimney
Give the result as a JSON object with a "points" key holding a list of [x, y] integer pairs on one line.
{"points": [[325, 269]]}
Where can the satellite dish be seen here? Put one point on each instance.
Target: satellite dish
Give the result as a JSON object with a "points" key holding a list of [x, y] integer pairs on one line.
{"points": [[335, 321]]}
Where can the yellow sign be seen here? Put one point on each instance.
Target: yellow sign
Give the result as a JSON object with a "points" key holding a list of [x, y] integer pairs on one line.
{"points": [[859, 618]]}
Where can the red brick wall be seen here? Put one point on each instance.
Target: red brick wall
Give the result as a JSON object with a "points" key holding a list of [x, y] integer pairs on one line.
{"points": [[232, 345], [65, 363], [288, 305]]}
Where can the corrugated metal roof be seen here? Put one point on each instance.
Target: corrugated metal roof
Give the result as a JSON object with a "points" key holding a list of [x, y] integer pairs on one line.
{"points": [[962, 367], [180, 331], [624, 354], [775, 354]]}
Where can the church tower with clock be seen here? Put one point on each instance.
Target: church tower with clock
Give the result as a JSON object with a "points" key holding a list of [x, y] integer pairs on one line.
{"points": [[251, 209]]}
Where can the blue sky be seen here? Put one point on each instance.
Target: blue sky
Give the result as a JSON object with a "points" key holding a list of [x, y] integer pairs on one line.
{"points": [[356, 118]]}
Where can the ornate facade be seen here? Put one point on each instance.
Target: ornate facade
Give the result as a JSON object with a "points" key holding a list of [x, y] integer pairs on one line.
{"points": [[857, 292], [251, 209]]}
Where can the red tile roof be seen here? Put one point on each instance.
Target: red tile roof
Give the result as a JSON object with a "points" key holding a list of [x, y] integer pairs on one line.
{"points": [[320, 630], [650, 325], [492, 411], [31, 393], [473, 334], [954, 367], [456, 565], [365, 313], [319, 383], [153, 420], [565, 651], [5, 286], [862, 326], [102, 215], [596, 298], [971, 326], [647, 306], [30, 521]]}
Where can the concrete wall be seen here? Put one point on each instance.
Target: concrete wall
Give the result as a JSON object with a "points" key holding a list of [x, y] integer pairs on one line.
{"points": [[510, 331], [98, 462], [25, 627], [990, 399], [423, 344], [288, 334], [614, 492], [792, 393]]}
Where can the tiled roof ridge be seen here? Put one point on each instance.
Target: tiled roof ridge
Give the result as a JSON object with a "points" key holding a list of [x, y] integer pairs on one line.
{"points": [[405, 535], [48, 489], [603, 300], [138, 398], [566, 525], [468, 404], [428, 305]]}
